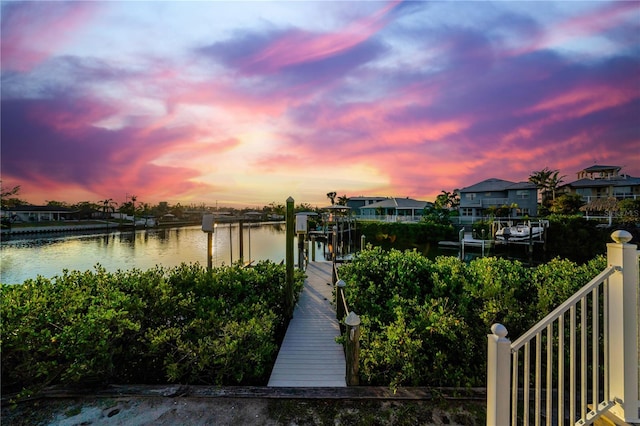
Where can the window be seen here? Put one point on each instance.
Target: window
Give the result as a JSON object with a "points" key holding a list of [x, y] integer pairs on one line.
{"points": [[470, 196], [466, 211], [522, 194], [621, 191]]}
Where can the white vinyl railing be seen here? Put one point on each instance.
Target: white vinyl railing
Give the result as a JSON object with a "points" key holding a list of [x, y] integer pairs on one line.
{"points": [[579, 361]]}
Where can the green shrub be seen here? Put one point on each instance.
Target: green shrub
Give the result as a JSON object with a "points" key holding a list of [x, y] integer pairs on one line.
{"points": [[422, 236], [424, 322], [183, 324]]}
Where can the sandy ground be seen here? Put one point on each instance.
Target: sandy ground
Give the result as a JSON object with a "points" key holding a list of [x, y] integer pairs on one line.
{"points": [[230, 411]]}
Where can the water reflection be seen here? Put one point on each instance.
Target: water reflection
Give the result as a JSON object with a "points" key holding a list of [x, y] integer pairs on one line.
{"points": [[24, 257]]}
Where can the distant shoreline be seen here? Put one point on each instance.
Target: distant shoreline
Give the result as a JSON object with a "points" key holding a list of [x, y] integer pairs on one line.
{"points": [[80, 227]]}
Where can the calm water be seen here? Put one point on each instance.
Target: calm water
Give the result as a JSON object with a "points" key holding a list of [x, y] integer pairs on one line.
{"points": [[24, 257]]}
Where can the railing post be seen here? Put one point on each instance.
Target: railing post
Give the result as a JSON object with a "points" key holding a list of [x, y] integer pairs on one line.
{"points": [[290, 230], [340, 302], [498, 376], [363, 242], [623, 328], [352, 323]]}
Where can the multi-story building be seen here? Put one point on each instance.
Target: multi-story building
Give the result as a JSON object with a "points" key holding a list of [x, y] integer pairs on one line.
{"points": [[603, 182], [481, 199]]}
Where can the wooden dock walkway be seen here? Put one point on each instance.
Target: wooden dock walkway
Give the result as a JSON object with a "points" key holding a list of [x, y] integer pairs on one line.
{"points": [[309, 355]]}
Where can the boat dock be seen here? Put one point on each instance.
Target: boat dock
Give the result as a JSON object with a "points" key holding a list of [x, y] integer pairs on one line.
{"points": [[467, 240], [309, 355]]}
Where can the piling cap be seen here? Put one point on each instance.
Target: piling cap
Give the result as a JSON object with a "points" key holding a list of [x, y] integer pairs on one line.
{"points": [[620, 236], [352, 319]]}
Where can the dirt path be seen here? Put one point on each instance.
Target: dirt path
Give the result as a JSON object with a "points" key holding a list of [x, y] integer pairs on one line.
{"points": [[237, 411]]}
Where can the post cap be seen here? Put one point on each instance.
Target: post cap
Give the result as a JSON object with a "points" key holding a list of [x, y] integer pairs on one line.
{"points": [[620, 236], [341, 283], [352, 319], [499, 330]]}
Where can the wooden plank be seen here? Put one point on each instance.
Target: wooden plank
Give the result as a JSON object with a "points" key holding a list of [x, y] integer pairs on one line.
{"points": [[309, 355]]}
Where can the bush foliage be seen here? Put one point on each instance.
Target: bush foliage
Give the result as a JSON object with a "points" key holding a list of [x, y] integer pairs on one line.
{"points": [[422, 236], [179, 325], [424, 322]]}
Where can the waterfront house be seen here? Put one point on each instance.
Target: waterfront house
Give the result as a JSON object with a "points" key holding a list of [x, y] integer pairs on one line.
{"points": [[480, 199], [27, 213], [394, 209], [356, 203], [598, 181]]}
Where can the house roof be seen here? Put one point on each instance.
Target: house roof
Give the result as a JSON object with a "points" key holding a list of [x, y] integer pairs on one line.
{"points": [[47, 209], [622, 180], [362, 198], [397, 203], [494, 184], [600, 168]]}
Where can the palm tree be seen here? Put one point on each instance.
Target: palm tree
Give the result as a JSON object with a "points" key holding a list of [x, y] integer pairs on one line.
{"points": [[541, 180], [447, 200], [554, 182], [108, 204], [332, 197]]}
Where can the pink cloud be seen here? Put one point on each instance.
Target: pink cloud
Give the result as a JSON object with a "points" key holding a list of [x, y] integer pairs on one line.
{"points": [[34, 31], [298, 47], [48, 154], [595, 22]]}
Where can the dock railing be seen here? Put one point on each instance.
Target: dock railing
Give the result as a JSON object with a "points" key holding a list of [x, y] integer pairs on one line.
{"points": [[350, 328], [578, 362]]}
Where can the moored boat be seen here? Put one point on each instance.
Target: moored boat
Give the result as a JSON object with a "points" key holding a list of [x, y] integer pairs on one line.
{"points": [[521, 231]]}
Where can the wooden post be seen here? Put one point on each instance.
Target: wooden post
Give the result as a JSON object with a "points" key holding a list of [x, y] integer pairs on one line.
{"points": [[241, 241], [334, 277], [530, 248], [209, 250], [498, 375], [301, 251], [340, 311], [623, 328], [363, 242], [335, 243], [208, 225], [352, 323], [230, 245], [290, 231], [306, 252], [313, 248]]}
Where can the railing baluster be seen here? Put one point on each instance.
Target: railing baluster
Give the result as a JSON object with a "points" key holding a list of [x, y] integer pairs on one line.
{"points": [[514, 388], [526, 384], [561, 370], [595, 330], [572, 364], [549, 371], [538, 380], [583, 357], [605, 335]]}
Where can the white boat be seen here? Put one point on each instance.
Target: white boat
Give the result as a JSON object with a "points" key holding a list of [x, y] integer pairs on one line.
{"points": [[521, 231]]}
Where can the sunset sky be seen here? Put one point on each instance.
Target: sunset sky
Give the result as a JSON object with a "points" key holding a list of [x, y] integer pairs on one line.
{"points": [[247, 103]]}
